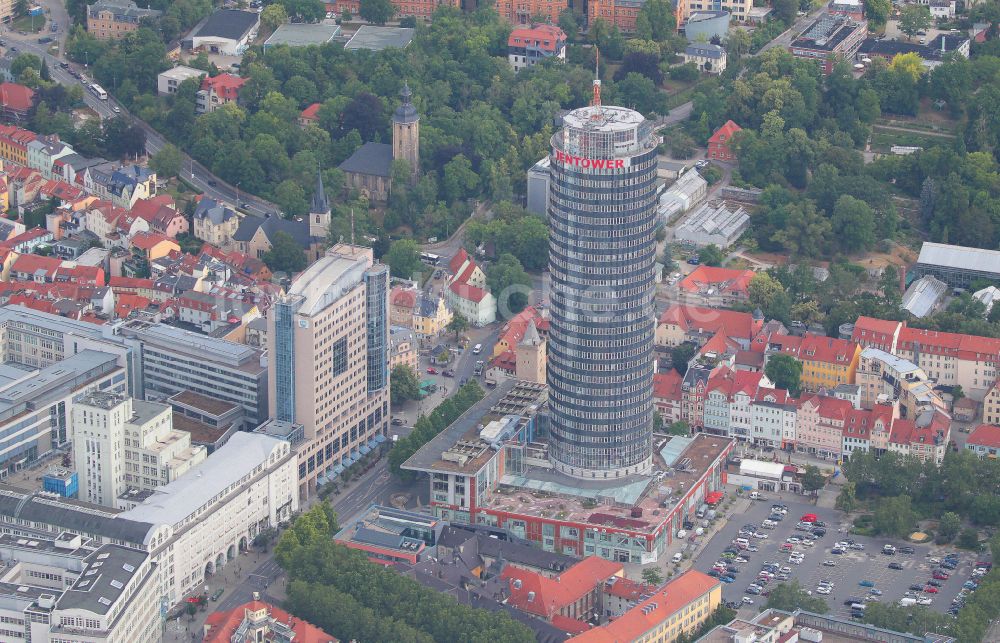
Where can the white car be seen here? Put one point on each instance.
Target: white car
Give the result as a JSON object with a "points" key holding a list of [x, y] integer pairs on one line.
{"points": [[841, 545], [795, 540], [760, 536], [924, 600], [829, 563], [787, 570], [807, 543], [747, 600], [823, 590], [795, 561]]}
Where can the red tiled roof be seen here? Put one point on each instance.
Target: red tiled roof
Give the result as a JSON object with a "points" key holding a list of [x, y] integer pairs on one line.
{"points": [[465, 291], [132, 283], [311, 113], [667, 386], [513, 331], [629, 589], [127, 303], [985, 435], [84, 274], [965, 347], [225, 85], [456, 262], [649, 614], [570, 625], [221, 625], [869, 326], [830, 350], [544, 37], [148, 240], [723, 279], [700, 318], [470, 267], [31, 264], [16, 97], [405, 297], [725, 133], [506, 360], [548, 595]]}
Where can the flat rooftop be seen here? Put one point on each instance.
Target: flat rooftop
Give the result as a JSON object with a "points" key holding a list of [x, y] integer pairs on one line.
{"points": [[205, 348], [656, 499], [959, 257], [827, 32], [203, 403], [302, 35], [379, 38]]}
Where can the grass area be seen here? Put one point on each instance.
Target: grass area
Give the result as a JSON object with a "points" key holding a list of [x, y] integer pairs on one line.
{"points": [[943, 128], [883, 140], [24, 23]]}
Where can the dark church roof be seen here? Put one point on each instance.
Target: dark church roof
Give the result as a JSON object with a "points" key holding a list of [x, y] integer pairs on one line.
{"points": [[374, 159], [406, 112], [298, 230], [319, 203]]}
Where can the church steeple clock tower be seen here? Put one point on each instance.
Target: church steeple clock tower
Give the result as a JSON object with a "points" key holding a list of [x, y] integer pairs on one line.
{"points": [[406, 132], [319, 210]]}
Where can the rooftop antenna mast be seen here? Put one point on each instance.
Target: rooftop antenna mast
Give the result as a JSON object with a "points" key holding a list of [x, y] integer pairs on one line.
{"points": [[596, 100], [352, 231]]}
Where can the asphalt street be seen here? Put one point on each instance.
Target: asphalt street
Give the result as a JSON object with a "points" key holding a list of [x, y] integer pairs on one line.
{"points": [[851, 568]]}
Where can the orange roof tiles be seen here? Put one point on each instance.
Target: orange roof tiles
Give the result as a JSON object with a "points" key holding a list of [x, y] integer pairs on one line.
{"points": [[667, 386], [220, 626], [725, 133], [544, 596], [830, 350], [32, 264], [225, 85], [311, 113], [985, 435], [671, 599], [699, 318], [148, 240], [723, 279], [456, 262], [545, 37], [465, 291], [16, 97]]}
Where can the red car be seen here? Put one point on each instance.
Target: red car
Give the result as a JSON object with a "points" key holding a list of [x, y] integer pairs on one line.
{"points": [[432, 371], [939, 575], [808, 518], [930, 590]]}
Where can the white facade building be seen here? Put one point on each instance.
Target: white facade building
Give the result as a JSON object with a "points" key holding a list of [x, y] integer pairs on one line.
{"points": [[168, 81], [772, 418]]}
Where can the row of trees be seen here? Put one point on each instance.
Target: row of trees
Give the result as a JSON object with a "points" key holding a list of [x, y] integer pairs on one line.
{"points": [[351, 598], [428, 426]]}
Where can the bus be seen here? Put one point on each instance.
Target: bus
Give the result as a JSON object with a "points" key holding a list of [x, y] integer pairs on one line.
{"points": [[99, 91], [429, 258]]}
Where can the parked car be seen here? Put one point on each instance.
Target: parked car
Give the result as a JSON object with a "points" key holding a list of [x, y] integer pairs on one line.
{"points": [[432, 371], [940, 575], [448, 373], [895, 566], [829, 563], [397, 422], [930, 589], [867, 583], [906, 550], [917, 588]]}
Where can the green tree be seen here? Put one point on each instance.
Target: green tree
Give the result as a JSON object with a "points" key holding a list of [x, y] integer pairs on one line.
{"points": [[679, 428], [813, 480], [403, 259], [460, 181], [948, 527], [957, 392], [285, 254], [877, 12], [404, 384], [21, 7], [377, 12], [853, 224], [786, 372], [509, 283], [789, 597], [656, 21], [914, 18], [25, 61], [894, 517], [568, 23], [968, 539], [681, 354], [273, 16], [785, 10], [769, 295], [711, 255], [847, 500], [167, 162], [458, 325], [653, 576]]}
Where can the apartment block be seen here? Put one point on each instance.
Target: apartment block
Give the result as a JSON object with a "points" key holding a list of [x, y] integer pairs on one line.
{"points": [[114, 19], [124, 446], [328, 361]]}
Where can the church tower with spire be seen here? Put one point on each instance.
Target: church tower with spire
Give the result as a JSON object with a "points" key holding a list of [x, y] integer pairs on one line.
{"points": [[406, 132], [319, 210]]}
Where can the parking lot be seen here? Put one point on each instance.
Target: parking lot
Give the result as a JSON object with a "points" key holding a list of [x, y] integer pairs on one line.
{"points": [[851, 568]]}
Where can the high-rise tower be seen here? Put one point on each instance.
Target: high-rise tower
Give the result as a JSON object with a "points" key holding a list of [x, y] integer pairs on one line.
{"points": [[602, 250], [406, 131]]}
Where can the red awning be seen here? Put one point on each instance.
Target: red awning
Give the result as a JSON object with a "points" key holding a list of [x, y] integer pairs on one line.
{"points": [[714, 497]]}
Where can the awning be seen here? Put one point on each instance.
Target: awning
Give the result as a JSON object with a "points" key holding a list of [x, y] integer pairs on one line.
{"points": [[714, 497], [321, 478], [373, 444], [365, 449], [331, 476], [349, 460], [354, 453], [339, 469], [379, 439]]}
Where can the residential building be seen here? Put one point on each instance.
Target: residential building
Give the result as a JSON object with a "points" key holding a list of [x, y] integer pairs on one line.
{"points": [[302, 35], [687, 191], [114, 19], [679, 607], [310, 115], [339, 394], [467, 294], [168, 81], [827, 362], [151, 245], [697, 324], [618, 13], [883, 377], [122, 445], [831, 38], [529, 44], [924, 437], [422, 8], [122, 185], [984, 440], [991, 404], [729, 396], [713, 223], [958, 266], [16, 102], [572, 595], [693, 391], [14, 144], [215, 222], [942, 9], [720, 143], [819, 425], [773, 414], [403, 348], [43, 152], [740, 9], [514, 330], [260, 621], [171, 360], [706, 57], [524, 13], [409, 307], [226, 31], [217, 91], [715, 287], [368, 168], [36, 404], [853, 9], [600, 425], [868, 430], [667, 395]]}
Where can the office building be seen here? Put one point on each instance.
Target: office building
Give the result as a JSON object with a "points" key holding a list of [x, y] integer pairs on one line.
{"points": [[776, 625], [601, 258], [168, 81], [830, 39], [123, 446], [36, 405], [328, 348], [171, 360]]}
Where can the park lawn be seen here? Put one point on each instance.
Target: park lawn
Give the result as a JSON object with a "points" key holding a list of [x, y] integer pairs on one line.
{"points": [[883, 140], [24, 23]]}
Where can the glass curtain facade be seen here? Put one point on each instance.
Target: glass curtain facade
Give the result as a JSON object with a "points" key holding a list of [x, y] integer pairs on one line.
{"points": [[284, 359], [377, 311]]}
